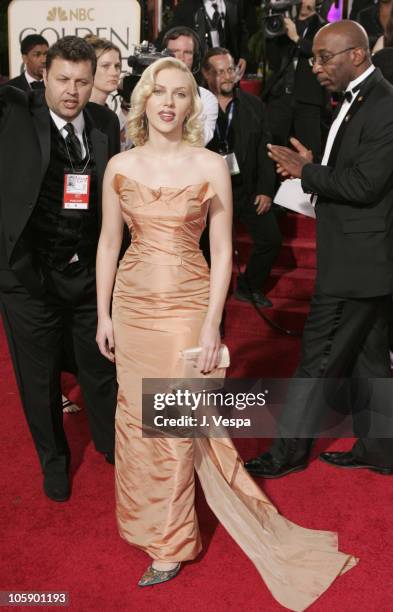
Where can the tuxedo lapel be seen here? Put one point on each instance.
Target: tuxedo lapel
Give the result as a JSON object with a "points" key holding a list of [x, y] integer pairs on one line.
{"points": [[230, 14], [241, 118], [357, 105], [199, 22], [41, 120], [99, 142]]}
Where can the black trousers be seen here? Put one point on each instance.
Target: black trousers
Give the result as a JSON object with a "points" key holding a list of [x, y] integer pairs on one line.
{"points": [[266, 237], [36, 330], [287, 118], [344, 360]]}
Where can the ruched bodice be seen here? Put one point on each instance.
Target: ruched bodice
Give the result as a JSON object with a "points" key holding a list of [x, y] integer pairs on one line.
{"points": [[163, 272], [166, 223]]}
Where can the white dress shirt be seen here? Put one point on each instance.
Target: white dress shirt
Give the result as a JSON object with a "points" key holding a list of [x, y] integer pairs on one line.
{"points": [[222, 9], [79, 126], [209, 112], [210, 12], [31, 79]]}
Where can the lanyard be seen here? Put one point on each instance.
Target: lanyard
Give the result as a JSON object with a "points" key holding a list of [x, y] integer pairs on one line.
{"points": [[229, 121]]}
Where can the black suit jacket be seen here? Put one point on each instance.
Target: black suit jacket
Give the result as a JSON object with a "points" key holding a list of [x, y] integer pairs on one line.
{"points": [[280, 53], [369, 19], [355, 203], [20, 82], [359, 5], [251, 135], [25, 154], [191, 13]]}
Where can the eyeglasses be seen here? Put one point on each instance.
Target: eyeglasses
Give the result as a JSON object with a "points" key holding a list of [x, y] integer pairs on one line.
{"points": [[324, 59], [230, 71]]}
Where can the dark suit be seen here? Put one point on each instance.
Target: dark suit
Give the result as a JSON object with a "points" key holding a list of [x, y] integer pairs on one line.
{"points": [[191, 13], [248, 137], [357, 6], [346, 334], [294, 98], [20, 82], [42, 305], [369, 19]]}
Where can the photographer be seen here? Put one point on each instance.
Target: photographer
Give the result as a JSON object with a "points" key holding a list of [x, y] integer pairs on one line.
{"points": [[294, 98], [184, 44]]}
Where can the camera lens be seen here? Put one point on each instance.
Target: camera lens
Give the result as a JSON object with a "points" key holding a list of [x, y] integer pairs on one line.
{"points": [[274, 26]]}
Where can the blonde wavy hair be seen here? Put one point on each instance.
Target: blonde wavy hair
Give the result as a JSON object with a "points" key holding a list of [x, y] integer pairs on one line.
{"points": [[137, 125]]}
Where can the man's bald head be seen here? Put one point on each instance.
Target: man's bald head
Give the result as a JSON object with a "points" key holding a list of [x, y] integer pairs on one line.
{"points": [[341, 54], [349, 32]]}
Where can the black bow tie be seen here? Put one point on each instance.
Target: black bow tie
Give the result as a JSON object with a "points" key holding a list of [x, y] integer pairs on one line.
{"points": [[38, 85], [349, 94]]}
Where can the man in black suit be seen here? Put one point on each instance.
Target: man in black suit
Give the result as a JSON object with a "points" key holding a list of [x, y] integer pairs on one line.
{"points": [[241, 136], [33, 49], [218, 23], [376, 19], [345, 341], [294, 98], [54, 149]]}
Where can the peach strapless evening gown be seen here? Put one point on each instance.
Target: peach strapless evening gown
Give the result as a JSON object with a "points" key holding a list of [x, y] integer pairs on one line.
{"points": [[160, 299]]}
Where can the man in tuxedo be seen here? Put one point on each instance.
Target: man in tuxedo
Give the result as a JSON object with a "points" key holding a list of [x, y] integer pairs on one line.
{"points": [[241, 136], [294, 98], [54, 149], [218, 23], [33, 48], [345, 341]]}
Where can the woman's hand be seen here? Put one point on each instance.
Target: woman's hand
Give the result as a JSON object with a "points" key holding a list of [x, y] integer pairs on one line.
{"points": [[210, 342], [104, 338]]}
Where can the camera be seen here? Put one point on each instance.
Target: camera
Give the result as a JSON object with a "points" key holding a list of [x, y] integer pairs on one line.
{"points": [[141, 57], [274, 13]]}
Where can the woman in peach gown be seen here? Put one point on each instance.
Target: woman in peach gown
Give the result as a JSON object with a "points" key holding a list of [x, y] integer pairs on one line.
{"points": [[163, 302]]}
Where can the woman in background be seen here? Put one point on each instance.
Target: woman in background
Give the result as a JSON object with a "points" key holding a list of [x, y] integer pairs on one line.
{"points": [[165, 301], [107, 75], [386, 40]]}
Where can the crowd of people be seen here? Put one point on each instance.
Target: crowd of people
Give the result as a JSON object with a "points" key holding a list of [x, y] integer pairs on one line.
{"points": [[112, 263]]}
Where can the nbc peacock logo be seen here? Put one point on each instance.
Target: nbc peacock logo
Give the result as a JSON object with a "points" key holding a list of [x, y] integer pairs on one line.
{"points": [[57, 14]]}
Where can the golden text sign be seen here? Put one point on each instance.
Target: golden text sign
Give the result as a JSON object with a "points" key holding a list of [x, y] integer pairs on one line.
{"points": [[117, 20]]}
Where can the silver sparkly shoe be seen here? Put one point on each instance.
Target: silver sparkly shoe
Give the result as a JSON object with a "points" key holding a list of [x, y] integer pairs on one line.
{"points": [[153, 576]]}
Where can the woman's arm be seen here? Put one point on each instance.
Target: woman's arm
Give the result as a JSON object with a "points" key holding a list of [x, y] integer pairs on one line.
{"points": [[378, 45], [220, 236], [107, 258]]}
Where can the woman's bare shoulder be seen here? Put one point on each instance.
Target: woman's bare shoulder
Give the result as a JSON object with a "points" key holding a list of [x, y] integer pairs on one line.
{"points": [[121, 162], [209, 159]]}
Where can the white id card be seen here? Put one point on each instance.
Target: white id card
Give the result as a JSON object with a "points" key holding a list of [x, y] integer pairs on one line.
{"points": [[76, 191], [232, 164]]}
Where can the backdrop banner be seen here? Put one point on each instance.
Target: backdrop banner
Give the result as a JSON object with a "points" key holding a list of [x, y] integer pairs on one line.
{"points": [[117, 20]]}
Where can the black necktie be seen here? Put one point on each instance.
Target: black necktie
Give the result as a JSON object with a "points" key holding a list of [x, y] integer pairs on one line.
{"points": [[73, 144], [38, 85], [217, 21]]}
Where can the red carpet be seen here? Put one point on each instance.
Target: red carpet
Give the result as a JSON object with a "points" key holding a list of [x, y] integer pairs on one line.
{"points": [[74, 546]]}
